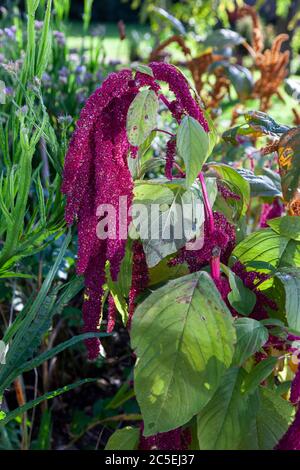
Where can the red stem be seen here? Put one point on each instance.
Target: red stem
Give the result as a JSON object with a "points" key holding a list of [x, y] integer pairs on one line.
{"points": [[165, 132]]}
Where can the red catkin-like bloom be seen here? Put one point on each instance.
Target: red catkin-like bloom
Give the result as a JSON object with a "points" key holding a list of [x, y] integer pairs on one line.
{"points": [[140, 277], [270, 211], [226, 192], [111, 314], [250, 279], [291, 439], [184, 102], [223, 237], [295, 389], [96, 173], [170, 156], [177, 439]]}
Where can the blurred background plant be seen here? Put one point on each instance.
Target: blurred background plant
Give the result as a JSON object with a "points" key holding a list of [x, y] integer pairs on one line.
{"points": [[53, 55]]}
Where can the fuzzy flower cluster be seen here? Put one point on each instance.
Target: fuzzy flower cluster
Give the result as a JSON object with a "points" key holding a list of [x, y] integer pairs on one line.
{"points": [[96, 172], [140, 277], [226, 193], [270, 211], [250, 280], [295, 388], [223, 238], [170, 157], [291, 439], [177, 439]]}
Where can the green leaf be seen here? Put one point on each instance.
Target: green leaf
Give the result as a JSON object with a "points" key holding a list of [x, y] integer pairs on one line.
{"points": [[290, 279], [222, 38], [272, 421], [45, 431], [239, 184], [29, 332], [240, 77], [45, 356], [259, 373], [117, 295], [172, 19], [213, 133], [263, 245], [184, 342], [260, 185], [144, 69], [263, 123], [170, 216], [287, 226], [251, 336], [192, 146], [292, 87], [141, 117], [44, 43], [47, 396], [124, 439], [225, 419], [241, 298]]}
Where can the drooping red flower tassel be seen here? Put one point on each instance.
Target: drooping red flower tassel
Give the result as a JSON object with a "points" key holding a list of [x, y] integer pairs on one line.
{"points": [[170, 157], [295, 389], [177, 439], [96, 173], [140, 277], [270, 211], [291, 439]]}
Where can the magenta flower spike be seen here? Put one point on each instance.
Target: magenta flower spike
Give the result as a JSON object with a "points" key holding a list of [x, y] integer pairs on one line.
{"points": [[96, 173]]}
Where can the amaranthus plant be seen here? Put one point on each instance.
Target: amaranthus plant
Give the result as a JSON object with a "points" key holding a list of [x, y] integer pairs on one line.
{"points": [[212, 310]]}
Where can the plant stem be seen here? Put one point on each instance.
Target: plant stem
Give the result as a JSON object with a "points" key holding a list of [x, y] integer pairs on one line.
{"points": [[165, 132]]}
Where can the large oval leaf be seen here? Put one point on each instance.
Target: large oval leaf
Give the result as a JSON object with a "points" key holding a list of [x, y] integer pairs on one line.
{"points": [[251, 336], [141, 117], [192, 146], [124, 439], [183, 336], [227, 417], [222, 38], [272, 421], [264, 245], [290, 279], [289, 166]]}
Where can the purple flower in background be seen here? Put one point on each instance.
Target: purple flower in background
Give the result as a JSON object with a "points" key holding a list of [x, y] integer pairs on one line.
{"points": [[270, 211], [11, 32], [38, 24], [60, 38], [63, 75], [46, 79]]}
